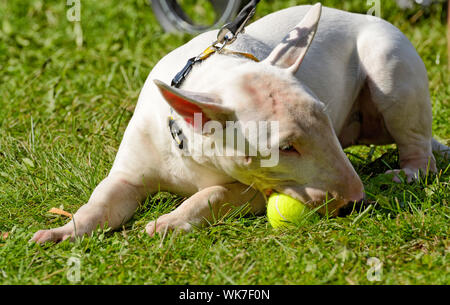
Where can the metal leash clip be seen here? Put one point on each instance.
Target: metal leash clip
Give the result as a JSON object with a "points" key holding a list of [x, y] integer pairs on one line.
{"points": [[230, 31]]}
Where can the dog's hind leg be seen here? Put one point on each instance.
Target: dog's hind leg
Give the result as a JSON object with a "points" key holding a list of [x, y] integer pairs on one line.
{"points": [[441, 149], [398, 84]]}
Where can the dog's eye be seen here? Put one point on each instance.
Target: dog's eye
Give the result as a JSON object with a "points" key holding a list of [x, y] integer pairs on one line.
{"points": [[288, 148]]}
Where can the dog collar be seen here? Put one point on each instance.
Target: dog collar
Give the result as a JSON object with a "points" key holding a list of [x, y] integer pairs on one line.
{"points": [[181, 76], [226, 36]]}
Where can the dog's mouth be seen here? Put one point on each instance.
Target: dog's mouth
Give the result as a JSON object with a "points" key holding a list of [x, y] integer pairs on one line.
{"points": [[297, 193], [324, 202], [269, 192]]}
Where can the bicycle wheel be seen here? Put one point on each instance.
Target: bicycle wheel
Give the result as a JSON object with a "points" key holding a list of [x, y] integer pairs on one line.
{"points": [[172, 17]]}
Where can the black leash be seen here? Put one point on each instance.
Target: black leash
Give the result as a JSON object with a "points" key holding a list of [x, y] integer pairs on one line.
{"points": [[226, 36]]}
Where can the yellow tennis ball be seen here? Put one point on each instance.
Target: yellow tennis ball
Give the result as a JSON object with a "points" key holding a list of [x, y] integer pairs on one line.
{"points": [[283, 210]]}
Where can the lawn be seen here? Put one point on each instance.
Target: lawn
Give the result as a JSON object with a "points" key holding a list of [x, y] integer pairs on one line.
{"points": [[67, 91]]}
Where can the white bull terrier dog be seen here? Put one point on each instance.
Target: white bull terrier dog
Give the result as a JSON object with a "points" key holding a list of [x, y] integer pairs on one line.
{"points": [[348, 79]]}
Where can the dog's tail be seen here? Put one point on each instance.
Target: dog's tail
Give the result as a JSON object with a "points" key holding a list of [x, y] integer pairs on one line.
{"points": [[441, 149]]}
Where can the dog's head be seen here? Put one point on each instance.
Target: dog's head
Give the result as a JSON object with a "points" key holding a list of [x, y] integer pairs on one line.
{"points": [[295, 149]]}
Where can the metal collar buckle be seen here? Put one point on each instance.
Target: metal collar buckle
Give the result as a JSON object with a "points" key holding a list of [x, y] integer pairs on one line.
{"points": [[177, 133]]}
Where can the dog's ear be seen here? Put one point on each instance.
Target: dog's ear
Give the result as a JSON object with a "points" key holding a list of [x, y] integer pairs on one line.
{"points": [[290, 52], [187, 104]]}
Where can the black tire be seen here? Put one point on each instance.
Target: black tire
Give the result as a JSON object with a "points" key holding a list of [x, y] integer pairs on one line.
{"points": [[172, 18]]}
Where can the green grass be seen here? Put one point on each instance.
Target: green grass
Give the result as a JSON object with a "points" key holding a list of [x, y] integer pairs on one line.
{"points": [[65, 99]]}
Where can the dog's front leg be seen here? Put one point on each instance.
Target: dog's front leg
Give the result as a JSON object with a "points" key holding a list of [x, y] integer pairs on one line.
{"points": [[209, 204], [113, 202]]}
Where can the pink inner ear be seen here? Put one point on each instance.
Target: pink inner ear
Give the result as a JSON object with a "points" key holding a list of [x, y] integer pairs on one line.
{"points": [[183, 107]]}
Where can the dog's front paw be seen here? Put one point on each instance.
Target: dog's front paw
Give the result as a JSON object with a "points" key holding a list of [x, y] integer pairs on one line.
{"points": [[53, 235], [167, 222], [69, 231]]}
